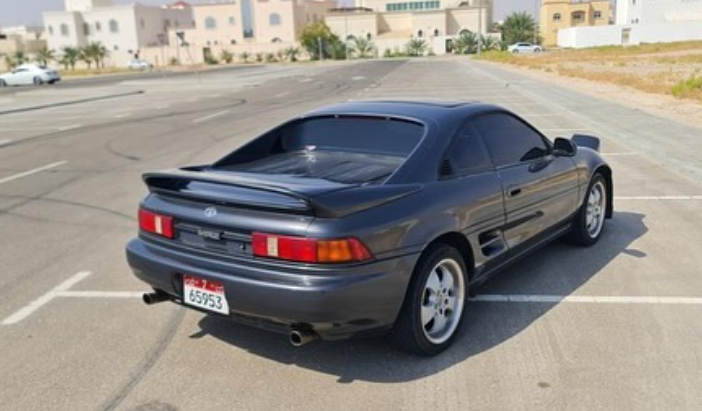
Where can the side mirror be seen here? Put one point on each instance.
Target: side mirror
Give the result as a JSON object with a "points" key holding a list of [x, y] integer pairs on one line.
{"points": [[563, 147]]}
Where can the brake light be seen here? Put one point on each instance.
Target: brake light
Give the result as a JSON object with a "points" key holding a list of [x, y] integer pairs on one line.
{"points": [[309, 250], [156, 223]]}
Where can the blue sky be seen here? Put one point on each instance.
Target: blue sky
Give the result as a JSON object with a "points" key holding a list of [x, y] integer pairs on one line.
{"points": [[18, 12]]}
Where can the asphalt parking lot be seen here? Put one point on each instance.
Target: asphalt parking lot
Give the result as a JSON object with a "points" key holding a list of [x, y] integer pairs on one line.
{"points": [[613, 327]]}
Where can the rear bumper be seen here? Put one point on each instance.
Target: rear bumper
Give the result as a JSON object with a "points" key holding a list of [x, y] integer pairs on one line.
{"points": [[335, 302]]}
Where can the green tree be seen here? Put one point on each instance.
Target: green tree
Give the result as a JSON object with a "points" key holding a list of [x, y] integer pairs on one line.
{"points": [[93, 53], [18, 58], [490, 43], [101, 53], [416, 47], [245, 56], [337, 49], [361, 47], [466, 43], [318, 34], [291, 53], [44, 55], [69, 57], [226, 56], [260, 57], [519, 27]]}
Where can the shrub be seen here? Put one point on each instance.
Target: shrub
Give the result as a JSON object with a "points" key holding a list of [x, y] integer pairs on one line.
{"points": [[688, 87]]}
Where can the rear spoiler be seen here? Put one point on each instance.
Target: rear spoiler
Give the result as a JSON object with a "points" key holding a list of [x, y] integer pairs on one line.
{"points": [[326, 204], [583, 140]]}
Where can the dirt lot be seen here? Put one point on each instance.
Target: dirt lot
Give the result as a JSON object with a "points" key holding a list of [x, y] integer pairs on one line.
{"points": [[665, 79]]}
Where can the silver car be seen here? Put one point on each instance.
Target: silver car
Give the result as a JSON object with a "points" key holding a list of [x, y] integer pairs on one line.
{"points": [[524, 48], [29, 74]]}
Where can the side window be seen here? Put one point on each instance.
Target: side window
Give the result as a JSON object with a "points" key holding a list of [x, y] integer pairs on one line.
{"points": [[509, 140], [466, 154]]}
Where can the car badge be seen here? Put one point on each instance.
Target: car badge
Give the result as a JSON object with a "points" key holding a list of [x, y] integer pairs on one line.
{"points": [[210, 212]]}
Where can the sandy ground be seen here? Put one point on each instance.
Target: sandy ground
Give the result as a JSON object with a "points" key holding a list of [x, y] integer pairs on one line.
{"points": [[685, 111]]}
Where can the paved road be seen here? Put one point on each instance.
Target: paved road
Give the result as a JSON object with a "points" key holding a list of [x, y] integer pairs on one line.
{"points": [[613, 327]]}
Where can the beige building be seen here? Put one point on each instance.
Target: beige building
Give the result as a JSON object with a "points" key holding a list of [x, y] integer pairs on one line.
{"points": [[390, 24], [562, 14], [20, 38]]}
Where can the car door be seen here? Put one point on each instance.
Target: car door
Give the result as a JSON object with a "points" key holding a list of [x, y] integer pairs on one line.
{"points": [[539, 189], [470, 175], [21, 76]]}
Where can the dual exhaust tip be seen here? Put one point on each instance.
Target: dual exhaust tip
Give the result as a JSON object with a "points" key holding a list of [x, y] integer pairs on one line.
{"points": [[297, 338]]}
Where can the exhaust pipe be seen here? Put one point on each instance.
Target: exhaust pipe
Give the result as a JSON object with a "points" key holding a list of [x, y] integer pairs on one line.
{"points": [[298, 338], [154, 297]]}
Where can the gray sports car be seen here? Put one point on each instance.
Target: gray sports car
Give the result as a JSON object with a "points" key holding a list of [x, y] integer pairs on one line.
{"points": [[366, 217]]}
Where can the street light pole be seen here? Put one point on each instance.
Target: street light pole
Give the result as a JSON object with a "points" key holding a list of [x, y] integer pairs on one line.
{"points": [[480, 25]]}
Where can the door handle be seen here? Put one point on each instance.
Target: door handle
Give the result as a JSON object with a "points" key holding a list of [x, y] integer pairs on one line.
{"points": [[514, 191]]}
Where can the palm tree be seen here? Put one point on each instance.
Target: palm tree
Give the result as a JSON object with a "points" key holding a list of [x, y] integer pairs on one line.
{"points": [[466, 43], [337, 49], [361, 47], [101, 53], [490, 42], [44, 55], [86, 57], [292, 53], [69, 57], [519, 27], [416, 47], [226, 56], [245, 57], [19, 58]]}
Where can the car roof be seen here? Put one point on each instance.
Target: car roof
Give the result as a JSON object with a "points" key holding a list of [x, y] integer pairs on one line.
{"points": [[422, 110]]}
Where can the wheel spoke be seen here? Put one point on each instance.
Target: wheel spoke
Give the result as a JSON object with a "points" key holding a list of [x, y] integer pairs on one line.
{"points": [[447, 280], [439, 323], [427, 314], [433, 282]]}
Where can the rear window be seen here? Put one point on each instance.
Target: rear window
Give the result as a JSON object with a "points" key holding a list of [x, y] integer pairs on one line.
{"points": [[353, 134]]}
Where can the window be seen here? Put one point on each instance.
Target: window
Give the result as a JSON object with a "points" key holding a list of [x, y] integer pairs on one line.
{"points": [[557, 17], [166, 23], [232, 21], [467, 154], [142, 23], [276, 40], [578, 16], [210, 23], [64, 29], [232, 41], [420, 34], [274, 19], [98, 26], [509, 140], [598, 14], [86, 29], [114, 26], [436, 32], [51, 30]]}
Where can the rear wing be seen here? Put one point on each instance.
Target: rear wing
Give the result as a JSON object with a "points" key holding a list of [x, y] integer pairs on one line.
{"points": [[241, 191]]}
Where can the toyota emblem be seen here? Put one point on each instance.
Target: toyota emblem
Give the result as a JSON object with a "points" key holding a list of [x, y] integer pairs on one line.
{"points": [[210, 212]]}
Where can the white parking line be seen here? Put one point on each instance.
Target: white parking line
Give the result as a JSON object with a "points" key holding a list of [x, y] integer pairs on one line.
{"points": [[27, 310], [123, 115], [33, 171], [210, 117], [658, 198], [99, 294], [281, 95], [585, 299], [71, 127]]}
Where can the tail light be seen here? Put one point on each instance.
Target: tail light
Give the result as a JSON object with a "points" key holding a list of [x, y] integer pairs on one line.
{"points": [[156, 223], [309, 250]]}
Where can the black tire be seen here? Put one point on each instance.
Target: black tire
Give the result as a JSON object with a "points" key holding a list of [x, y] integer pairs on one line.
{"points": [[38, 81], [409, 333], [580, 233]]}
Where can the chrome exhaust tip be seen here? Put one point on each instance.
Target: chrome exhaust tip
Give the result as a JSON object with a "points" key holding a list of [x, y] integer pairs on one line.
{"points": [[298, 338]]}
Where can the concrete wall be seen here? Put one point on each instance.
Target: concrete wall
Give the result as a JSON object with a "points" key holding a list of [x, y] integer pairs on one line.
{"points": [[581, 37], [658, 11]]}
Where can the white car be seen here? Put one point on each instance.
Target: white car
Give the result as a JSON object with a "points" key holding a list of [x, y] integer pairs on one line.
{"points": [[524, 48], [29, 74], [138, 64]]}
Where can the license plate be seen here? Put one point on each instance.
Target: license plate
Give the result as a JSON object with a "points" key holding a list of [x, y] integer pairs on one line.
{"points": [[206, 294]]}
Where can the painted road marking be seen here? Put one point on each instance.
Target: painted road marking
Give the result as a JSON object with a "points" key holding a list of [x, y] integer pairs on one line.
{"points": [[658, 198], [585, 299], [99, 294], [71, 127], [281, 95], [210, 117], [123, 115], [5, 142], [33, 171], [27, 310]]}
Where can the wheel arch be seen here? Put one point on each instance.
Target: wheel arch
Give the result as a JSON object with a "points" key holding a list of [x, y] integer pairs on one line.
{"points": [[606, 172], [458, 241]]}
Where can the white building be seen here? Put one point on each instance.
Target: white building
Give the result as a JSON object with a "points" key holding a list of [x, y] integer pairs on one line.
{"points": [[390, 24], [641, 21], [123, 29]]}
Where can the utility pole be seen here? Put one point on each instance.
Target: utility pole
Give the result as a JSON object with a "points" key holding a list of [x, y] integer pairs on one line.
{"points": [[346, 38], [480, 26], [321, 53]]}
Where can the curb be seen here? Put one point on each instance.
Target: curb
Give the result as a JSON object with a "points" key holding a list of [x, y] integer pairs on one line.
{"points": [[68, 103]]}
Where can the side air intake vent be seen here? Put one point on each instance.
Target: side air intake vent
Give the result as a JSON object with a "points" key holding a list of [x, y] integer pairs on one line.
{"points": [[445, 169]]}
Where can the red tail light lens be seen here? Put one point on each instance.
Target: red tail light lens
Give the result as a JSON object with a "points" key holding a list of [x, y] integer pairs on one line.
{"points": [[309, 250], [156, 223]]}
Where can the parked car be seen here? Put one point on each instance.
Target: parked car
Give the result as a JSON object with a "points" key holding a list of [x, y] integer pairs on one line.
{"points": [[138, 64], [29, 74], [524, 48], [366, 217]]}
